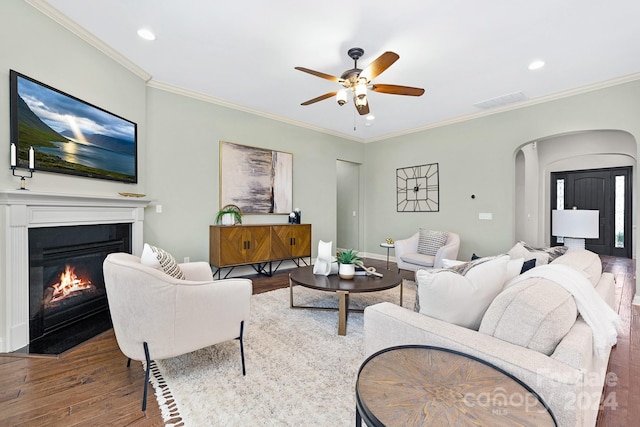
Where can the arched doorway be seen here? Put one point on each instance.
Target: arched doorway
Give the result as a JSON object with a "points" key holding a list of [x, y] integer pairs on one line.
{"points": [[535, 161]]}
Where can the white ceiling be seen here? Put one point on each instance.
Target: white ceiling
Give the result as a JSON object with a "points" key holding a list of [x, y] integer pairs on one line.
{"points": [[243, 53]]}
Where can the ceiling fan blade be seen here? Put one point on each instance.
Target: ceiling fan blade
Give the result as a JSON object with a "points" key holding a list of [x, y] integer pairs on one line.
{"points": [[318, 74], [320, 98], [363, 110], [397, 90], [381, 63]]}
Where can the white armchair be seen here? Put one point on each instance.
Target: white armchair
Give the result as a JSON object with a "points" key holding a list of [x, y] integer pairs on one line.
{"points": [[156, 316], [408, 258]]}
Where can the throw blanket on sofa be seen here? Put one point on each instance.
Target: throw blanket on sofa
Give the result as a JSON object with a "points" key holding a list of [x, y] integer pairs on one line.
{"points": [[603, 320]]}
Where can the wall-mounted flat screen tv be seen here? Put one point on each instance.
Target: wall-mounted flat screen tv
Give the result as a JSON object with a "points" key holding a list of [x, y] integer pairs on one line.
{"points": [[69, 135]]}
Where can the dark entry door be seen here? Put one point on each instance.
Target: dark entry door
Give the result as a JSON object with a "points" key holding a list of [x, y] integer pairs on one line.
{"points": [[605, 190]]}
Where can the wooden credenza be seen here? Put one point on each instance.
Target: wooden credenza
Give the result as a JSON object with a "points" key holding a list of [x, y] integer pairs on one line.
{"points": [[258, 245]]}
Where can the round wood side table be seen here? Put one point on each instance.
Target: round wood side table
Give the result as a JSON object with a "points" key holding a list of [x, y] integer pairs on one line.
{"points": [[418, 385]]}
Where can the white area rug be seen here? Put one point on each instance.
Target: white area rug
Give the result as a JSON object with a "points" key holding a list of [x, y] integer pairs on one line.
{"points": [[299, 371]]}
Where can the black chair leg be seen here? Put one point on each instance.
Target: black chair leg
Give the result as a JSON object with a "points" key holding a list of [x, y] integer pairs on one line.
{"points": [[146, 376], [244, 372]]}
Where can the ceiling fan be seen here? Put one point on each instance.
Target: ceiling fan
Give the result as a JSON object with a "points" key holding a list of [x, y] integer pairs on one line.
{"points": [[356, 81]]}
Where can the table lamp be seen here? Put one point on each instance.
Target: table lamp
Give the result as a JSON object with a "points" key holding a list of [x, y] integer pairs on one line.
{"points": [[575, 225]]}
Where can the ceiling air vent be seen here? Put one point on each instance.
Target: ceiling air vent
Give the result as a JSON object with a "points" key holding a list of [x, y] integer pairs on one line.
{"points": [[499, 101]]}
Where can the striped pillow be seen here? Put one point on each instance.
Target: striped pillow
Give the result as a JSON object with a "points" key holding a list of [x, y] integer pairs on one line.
{"points": [[430, 241], [162, 260]]}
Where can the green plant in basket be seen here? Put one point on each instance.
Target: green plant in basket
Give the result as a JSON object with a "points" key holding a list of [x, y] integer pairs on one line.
{"points": [[348, 257]]}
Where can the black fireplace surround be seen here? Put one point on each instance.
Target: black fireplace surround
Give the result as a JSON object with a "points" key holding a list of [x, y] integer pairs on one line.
{"points": [[67, 296]]}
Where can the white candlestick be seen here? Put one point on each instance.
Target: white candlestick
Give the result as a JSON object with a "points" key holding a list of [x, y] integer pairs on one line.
{"points": [[13, 154], [32, 160]]}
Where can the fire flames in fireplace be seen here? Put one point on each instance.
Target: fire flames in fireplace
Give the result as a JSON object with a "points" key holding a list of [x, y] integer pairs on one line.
{"points": [[69, 285]]}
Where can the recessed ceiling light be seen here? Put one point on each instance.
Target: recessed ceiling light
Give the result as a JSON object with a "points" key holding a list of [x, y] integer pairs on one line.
{"points": [[371, 117], [146, 34], [536, 65]]}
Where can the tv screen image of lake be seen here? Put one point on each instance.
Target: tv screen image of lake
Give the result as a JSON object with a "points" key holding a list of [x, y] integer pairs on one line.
{"points": [[70, 135], [88, 154]]}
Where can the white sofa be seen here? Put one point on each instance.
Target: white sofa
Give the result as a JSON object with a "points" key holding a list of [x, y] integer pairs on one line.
{"points": [[570, 379], [408, 258]]}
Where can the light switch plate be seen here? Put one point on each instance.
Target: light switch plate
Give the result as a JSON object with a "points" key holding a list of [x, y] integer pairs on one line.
{"points": [[485, 215]]}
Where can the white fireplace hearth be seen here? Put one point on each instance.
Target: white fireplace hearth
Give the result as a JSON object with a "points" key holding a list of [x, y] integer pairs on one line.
{"points": [[22, 210]]}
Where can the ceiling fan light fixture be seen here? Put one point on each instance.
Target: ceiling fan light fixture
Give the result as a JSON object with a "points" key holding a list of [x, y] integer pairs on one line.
{"points": [[341, 97], [361, 101], [360, 91]]}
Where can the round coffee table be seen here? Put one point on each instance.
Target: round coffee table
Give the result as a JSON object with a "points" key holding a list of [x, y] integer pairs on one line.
{"points": [[418, 385], [333, 283]]}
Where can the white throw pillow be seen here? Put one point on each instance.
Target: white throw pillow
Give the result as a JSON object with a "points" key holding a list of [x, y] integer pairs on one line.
{"points": [[461, 300], [514, 267], [519, 251], [161, 260], [449, 263]]}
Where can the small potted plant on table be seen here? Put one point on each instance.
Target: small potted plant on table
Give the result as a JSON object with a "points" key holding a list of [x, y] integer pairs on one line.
{"points": [[347, 261], [229, 215]]}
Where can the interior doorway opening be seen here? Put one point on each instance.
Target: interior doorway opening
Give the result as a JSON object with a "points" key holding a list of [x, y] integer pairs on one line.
{"points": [[348, 213]]}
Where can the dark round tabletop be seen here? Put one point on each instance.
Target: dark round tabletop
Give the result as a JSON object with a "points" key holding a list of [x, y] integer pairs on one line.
{"points": [[304, 276]]}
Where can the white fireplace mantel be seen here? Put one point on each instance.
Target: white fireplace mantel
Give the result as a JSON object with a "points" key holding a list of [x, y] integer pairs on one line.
{"points": [[28, 209]]}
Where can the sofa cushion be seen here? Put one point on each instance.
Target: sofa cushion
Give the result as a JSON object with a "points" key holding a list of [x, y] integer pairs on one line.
{"points": [[535, 313], [461, 299], [161, 260], [419, 259], [430, 241], [585, 261]]}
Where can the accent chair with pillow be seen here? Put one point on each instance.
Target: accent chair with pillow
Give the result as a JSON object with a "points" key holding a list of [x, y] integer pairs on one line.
{"points": [[426, 249], [166, 309]]}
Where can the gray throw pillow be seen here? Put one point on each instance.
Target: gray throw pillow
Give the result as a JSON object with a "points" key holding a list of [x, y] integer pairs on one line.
{"points": [[430, 241]]}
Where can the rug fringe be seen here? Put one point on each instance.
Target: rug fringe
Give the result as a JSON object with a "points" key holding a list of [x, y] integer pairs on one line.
{"points": [[168, 406]]}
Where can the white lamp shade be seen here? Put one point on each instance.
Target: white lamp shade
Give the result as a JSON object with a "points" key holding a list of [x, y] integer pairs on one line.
{"points": [[341, 96], [583, 224]]}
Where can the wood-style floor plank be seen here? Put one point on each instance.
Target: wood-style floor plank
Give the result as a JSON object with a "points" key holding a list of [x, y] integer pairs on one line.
{"points": [[90, 385]]}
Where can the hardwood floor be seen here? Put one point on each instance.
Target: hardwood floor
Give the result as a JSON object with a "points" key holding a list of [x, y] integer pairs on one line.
{"points": [[90, 385]]}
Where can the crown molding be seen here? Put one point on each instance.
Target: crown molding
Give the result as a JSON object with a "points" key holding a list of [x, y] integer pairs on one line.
{"points": [[522, 104], [61, 19], [212, 100]]}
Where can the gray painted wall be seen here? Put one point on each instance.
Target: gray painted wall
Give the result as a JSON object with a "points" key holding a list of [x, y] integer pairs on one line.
{"points": [[478, 157], [183, 169]]}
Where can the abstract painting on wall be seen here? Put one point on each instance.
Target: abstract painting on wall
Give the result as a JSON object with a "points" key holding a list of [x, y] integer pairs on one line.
{"points": [[257, 180]]}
